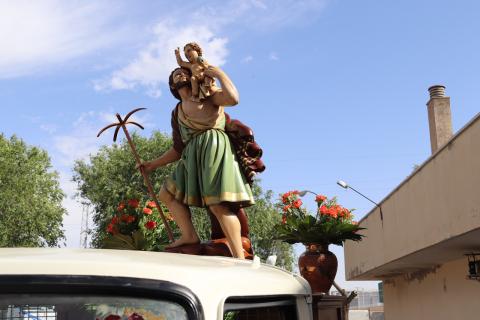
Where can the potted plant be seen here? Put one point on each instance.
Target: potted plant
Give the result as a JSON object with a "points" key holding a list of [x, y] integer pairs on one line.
{"points": [[331, 224]]}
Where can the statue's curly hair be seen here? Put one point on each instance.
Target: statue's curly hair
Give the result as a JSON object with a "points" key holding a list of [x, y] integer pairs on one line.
{"points": [[171, 85], [195, 47]]}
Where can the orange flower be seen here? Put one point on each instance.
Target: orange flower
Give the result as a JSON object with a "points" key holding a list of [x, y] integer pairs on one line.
{"points": [[343, 212], [169, 217], [286, 208], [131, 219], [297, 203], [323, 209], [151, 204], [284, 219], [121, 206], [147, 211], [285, 197], [150, 225], [332, 212], [133, 203], [320, 198]]}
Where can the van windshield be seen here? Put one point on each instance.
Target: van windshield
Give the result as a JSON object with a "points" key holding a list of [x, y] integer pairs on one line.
{"points": [[86, 307]]}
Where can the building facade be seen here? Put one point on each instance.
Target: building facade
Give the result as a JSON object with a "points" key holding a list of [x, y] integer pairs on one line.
{"points": [[417, 239]]}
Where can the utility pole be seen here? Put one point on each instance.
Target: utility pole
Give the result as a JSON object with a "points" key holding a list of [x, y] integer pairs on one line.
{"points": [[84, 226]]}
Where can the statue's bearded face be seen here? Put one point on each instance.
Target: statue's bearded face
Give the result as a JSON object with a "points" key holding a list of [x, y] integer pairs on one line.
{"points": [[181, 78]]}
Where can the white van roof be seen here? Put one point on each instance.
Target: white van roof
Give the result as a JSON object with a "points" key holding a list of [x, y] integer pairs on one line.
{"points": [[210, 278]]}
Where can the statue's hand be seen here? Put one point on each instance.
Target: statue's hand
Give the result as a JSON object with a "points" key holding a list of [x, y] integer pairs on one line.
{"points": [[145, 166], [213, 72], [177, 52]]}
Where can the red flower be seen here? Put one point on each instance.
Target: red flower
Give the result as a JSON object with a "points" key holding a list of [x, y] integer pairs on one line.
{"points": [[320, 198], [285, 197], [323, 209], [121, 206], [133, 203], [113, 317], [131, 219], [150, 225], [114, 220], [112, 229], [151, 204], [135, 316], [147, 211], [286, 208], [284, 219], [124, 217], [297, 203]]}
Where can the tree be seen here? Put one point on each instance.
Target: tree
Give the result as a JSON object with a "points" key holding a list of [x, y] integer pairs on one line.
{"points": [[110, 177], [262, 217], [31, 213]]}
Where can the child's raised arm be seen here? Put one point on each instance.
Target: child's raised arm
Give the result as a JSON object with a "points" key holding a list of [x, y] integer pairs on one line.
{"points": [[180, 62]]}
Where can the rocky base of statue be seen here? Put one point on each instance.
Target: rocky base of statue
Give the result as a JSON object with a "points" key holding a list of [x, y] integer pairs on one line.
{"points": [[217, 247]]}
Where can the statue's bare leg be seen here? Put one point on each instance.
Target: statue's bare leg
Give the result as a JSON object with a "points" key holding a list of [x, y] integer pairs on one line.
{"points": [[230, 227], [182, 216], [195, 88]]}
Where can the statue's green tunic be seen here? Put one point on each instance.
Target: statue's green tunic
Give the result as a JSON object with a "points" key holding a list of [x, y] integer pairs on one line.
{"points": [[208, 172]]}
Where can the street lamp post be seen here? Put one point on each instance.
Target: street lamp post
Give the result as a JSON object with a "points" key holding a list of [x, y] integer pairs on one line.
{"points": [[344, 185]]}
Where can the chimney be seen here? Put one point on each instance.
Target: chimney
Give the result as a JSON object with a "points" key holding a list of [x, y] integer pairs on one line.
{"points": [[439, 117]]}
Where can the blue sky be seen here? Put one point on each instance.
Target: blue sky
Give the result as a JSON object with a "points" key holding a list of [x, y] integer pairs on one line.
{"points": [[333, 89]]}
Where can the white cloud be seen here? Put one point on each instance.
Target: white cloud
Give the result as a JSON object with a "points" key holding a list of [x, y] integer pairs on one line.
{"points": [[50, 128], [82, 140], [270, 14], [260, 15], [37, 35], [273, 56], [153, 64], [247, 59], [206, 24], [259, 4]]}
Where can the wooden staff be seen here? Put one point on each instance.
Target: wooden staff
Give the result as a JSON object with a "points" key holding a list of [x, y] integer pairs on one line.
{"points": [[122, 124]]}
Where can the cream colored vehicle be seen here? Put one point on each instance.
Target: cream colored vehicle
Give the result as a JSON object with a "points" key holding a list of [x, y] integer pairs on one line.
{"points": [[89, 284]]}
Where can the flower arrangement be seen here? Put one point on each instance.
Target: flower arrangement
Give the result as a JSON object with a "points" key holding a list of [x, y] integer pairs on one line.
{"points": [[136, 227], [332, 223]]}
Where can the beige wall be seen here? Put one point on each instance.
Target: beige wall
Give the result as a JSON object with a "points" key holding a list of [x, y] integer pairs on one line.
{"points": [[431, 218], [442, 294]]}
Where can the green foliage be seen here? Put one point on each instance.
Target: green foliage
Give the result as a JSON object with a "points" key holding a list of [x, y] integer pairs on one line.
{"points": [[110, 177], [31, 213], [262, 219]]}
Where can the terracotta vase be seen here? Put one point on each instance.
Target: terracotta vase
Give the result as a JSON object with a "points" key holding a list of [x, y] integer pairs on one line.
{"points": [[318, 266]]}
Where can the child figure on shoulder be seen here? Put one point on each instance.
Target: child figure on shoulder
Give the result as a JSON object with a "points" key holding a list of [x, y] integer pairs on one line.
{"points": [[202, 85]]}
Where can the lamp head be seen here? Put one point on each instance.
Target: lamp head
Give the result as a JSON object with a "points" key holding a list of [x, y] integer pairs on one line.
{"points": [[302, 193], [342, 184]]}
